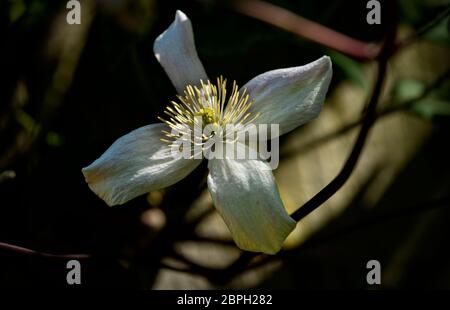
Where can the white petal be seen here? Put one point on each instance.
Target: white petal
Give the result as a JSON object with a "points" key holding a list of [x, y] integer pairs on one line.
{"points": [[290, 97], [175, 51], [135, 164], [245, 194]]}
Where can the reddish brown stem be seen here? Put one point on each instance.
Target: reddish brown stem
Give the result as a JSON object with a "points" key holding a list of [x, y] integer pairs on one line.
{"points": [[306, 28], [25, 251]]}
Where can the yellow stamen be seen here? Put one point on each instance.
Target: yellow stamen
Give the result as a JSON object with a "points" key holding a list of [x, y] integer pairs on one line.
{"points": [[210, 105], [207, 115]]}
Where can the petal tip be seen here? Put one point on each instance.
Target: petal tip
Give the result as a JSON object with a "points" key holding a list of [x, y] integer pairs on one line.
{"points": [[325, 62], [180, 16], [92, 186], [175, 51], [86, 172]]}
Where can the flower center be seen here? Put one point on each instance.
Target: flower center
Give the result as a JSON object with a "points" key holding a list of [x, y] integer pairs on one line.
{"points": [[207, 105]]}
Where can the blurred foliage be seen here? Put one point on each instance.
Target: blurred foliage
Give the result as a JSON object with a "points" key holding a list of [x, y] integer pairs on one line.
{"points": [[417, 12], [434, 105], [441, 32], [68, 93], [351, 69], [408, 89]]}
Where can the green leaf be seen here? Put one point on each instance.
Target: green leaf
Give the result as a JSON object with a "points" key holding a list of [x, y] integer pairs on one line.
{"points": [[407, 89], [27, 122], [440, 33], [431, 107]]}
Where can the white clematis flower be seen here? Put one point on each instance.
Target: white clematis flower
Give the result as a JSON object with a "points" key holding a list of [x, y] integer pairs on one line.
{"points": [[243, 191]]}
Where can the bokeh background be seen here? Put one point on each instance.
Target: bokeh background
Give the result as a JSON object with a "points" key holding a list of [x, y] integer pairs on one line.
{"points": [[69, 91]]}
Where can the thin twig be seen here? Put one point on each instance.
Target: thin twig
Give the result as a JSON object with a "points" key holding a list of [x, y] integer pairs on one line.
{"points": [[212, 274], [26, 251], [220, 241], [422, 30], [289, 21], [178, 269]]}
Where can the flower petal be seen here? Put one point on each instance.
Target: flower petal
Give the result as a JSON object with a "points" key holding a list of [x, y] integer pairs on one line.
{"points": [[290, 97], [245, 194], [175, 51], [135, 164]]}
